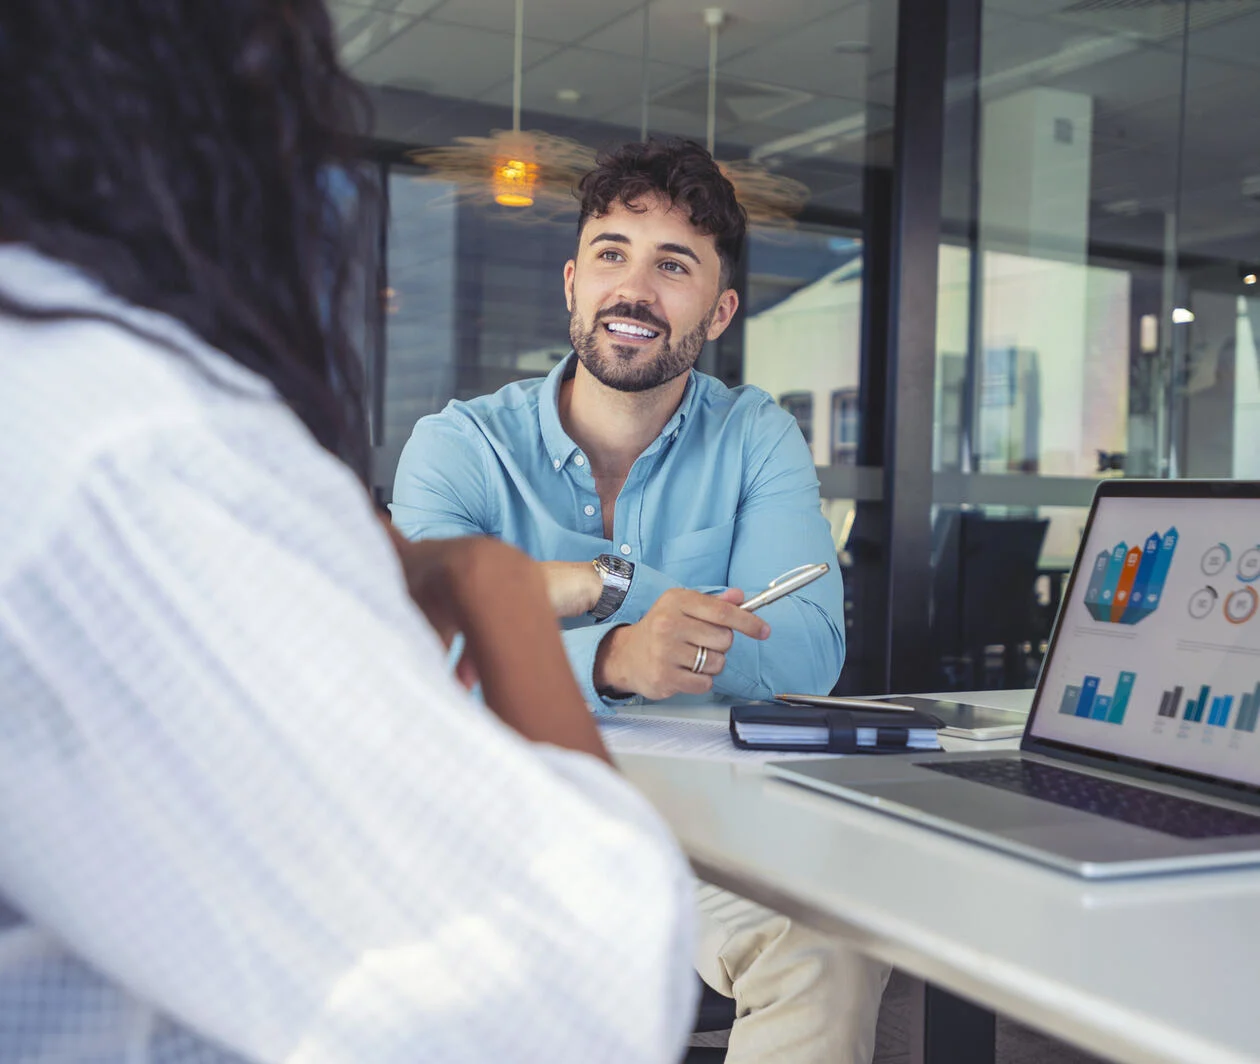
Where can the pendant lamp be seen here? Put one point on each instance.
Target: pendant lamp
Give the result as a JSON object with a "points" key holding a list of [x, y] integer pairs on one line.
{"points": [[514, 168]]}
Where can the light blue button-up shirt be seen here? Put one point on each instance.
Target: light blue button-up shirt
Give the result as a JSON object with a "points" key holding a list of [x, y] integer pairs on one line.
{"points": [[725, 496]]}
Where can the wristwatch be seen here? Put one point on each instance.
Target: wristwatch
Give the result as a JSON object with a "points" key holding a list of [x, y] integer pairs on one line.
{"points": [[616, 574]]}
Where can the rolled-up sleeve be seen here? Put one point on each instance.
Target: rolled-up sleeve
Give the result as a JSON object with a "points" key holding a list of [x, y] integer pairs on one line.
{"points": [[778, 527]]}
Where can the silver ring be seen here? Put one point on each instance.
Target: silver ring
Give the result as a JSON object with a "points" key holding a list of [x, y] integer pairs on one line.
{"points": [[702, 655]]}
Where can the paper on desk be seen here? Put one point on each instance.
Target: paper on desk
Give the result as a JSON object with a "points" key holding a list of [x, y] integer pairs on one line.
{"points": [[704, 740]]}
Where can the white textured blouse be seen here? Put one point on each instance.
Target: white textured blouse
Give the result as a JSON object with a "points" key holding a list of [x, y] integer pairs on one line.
{"points": [[244, 812]]}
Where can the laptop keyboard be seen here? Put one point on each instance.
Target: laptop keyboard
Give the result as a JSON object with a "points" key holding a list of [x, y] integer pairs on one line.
{"points": [[1182, 817]]}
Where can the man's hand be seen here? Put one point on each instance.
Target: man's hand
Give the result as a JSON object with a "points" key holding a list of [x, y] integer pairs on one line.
{"points": [[655, 656], [572, 587]]}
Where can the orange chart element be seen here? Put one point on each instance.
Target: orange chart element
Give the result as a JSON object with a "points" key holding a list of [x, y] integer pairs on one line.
{"points": [[1240, 605], [1127, 575]]}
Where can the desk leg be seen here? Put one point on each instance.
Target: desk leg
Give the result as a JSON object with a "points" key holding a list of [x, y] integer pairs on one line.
{"points": [[945, 1029]]}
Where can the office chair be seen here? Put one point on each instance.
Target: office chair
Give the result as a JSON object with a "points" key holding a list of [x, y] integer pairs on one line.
{"points": [[861, 558], [983, 593]]}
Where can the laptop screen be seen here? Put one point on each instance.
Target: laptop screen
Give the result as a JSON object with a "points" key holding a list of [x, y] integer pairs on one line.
{"points": [[1157, 652]]}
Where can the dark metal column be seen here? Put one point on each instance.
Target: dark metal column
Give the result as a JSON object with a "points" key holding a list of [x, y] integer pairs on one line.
{"points": [[866, 667], [911, 357]]}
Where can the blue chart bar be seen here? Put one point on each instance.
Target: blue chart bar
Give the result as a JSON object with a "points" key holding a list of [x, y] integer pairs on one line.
{"points": [[1219, 716], [1124, 688], [1248, 710], [1196, 706], [1088, 690], [1084, 699]]}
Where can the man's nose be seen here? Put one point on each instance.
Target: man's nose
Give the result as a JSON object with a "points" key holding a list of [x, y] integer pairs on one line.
{"points": [[637, 285]]}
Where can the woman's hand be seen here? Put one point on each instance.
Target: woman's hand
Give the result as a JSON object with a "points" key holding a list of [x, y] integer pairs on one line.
{"points": [[497, 598]]}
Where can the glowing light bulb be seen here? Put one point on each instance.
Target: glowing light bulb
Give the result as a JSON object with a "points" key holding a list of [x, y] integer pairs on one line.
{"points": [[514, 181]]}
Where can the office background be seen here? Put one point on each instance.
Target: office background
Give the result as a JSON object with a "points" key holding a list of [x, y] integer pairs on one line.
{"points": [[1026, 258]]}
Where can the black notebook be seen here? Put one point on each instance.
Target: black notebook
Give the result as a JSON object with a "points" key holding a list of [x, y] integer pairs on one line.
{"points": [[774, 726]]}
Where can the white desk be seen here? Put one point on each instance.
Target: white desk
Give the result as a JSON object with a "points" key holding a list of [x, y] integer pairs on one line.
{"points": [[1148, 971]]}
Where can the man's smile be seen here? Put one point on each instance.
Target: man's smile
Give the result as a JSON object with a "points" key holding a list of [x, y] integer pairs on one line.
{"points": [[632, 332]]}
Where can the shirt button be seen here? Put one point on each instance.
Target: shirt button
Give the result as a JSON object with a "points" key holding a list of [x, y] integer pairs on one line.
{"points": [[579, 460], [555, 463], [589, 511], [625, 548]]}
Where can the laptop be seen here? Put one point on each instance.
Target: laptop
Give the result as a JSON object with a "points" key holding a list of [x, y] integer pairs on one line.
{"points": [[1141, 753]]}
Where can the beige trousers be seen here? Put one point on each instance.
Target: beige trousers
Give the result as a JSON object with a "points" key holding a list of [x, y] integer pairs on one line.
{"points": [[801, 996]]}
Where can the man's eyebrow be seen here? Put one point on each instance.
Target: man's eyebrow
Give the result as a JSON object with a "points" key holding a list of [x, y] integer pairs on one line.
{"points": [[680, 249], [673, 249]]}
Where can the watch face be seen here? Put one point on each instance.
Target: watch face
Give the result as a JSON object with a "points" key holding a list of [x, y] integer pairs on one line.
{"points": [[616, 565]]}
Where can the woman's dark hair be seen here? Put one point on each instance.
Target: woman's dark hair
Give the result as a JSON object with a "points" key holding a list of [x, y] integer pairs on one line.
{"points": [[196, 157], [679, 170]]}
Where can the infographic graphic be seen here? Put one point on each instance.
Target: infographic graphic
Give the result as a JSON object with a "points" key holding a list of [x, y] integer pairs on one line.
{"points": [[1239, 605], [1126, 583]]}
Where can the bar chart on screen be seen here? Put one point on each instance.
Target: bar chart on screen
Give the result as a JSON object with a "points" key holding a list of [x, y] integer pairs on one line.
{"points": [[1126, 583], [1201, 706], [1085, 700]]}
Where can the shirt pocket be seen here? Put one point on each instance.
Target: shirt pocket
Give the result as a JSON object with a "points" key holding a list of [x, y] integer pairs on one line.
{"points": [[701, 558]]}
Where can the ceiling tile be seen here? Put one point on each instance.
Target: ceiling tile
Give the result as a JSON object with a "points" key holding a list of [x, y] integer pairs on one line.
{"points": [[363, 30], [1009, 41], [807, 58], [662, 121], [562, 21], [447, 60], [1237, 40], [1123, 80], [821, 110], [679, 35], [605, 82]]}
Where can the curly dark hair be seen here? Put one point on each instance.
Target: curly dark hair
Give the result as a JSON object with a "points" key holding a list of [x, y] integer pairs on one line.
{"points": [[198, 159], [682, 171]]}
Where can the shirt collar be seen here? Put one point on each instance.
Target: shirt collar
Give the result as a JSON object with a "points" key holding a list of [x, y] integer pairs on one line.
{"points": [[560, 446]]}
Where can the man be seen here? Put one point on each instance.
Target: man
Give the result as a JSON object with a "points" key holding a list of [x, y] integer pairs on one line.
{"points": [[656, 497], [248, 817]]}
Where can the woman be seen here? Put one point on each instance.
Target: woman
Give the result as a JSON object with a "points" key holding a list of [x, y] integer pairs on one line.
{"points": [[246, 813]]}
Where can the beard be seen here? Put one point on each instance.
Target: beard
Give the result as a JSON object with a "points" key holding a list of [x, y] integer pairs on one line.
{"points": [[618, 369]]}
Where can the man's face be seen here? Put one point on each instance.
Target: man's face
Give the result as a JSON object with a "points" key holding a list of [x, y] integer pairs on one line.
{"points": [[644, 293]]}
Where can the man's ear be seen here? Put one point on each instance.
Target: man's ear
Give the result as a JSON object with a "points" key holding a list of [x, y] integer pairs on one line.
{"points": [[570, 268], [723, 312]]}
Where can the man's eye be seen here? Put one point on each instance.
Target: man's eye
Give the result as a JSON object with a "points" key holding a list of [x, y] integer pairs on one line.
{"points": [[673, 267], [610, 255]]}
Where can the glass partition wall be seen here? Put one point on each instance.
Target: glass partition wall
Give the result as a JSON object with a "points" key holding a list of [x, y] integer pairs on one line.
{"points": [[1064, 193], [1093, 303]]}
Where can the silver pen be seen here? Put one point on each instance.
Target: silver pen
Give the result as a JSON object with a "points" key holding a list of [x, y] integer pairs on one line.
{"points": [[792, 580]]}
